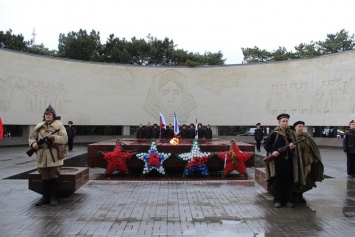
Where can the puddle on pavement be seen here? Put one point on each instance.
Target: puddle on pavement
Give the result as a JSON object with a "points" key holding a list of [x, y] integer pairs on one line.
{"points": [[228, 233], [231, 222]]}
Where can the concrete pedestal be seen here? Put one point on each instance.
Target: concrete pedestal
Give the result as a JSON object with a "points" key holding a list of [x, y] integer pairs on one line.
{"points": [[70, 180]]}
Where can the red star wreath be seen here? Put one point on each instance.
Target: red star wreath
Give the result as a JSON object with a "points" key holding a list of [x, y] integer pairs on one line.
{"points": [[116, 159], [196, 160], [234, 159]]}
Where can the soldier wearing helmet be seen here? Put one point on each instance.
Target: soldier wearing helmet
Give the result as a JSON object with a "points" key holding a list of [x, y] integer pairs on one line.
{"points": [[49, 161]]}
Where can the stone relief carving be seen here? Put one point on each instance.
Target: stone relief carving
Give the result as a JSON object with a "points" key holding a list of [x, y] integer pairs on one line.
{"points": [[169, 93], [333, 96], [125, 75], [7, 86], [37, 95], [217, 80]]}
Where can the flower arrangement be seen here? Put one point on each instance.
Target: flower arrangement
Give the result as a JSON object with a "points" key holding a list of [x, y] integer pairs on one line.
{"points": [[234, 159], [153, 160], [117, 159], [196, 160]]}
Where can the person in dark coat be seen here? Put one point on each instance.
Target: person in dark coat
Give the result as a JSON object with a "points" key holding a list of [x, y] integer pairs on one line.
{"points": [[183, 132], [311, 161], [163, 132], [258, 136], [191, 133], [281, 168], [148, 131], [169, 132], [71, 135], [200, 131], [349, 149], [155, 131], [140, 133], [208, 132]]}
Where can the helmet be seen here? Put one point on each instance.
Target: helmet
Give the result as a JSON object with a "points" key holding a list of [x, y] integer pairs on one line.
{"points": [[50, 109]]}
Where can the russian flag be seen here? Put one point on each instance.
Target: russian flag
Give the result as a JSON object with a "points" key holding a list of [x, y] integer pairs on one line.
{"points": [[176, 125], [162, 121], [1, 129]]}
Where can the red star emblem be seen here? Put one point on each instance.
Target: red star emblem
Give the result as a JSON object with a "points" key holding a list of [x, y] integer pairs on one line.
{"points": [[116, 159], [234, 159]]}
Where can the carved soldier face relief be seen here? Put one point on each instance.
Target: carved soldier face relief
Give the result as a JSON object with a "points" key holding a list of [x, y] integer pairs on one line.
{"points": [[171, 97]]}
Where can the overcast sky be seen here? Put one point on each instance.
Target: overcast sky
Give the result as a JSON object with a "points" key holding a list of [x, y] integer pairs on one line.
{"points": [[194, 25]]}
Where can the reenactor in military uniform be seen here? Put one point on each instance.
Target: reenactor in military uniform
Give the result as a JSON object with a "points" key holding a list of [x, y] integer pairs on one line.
{"points": [[49, 162]]}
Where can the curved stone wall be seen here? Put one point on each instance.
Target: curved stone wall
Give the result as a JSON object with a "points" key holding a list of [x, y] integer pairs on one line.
{"points": [[319, 91]]}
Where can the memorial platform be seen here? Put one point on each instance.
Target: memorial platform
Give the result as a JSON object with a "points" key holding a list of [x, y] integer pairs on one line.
{"points": [[172, 165]]}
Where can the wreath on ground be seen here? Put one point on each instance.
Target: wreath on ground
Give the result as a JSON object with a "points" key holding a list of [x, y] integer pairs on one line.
{"points": [[153, 160], [196, 160], [116, 159]]}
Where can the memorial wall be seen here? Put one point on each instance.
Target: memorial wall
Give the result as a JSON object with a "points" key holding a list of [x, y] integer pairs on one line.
{"points": [[320, 91]]}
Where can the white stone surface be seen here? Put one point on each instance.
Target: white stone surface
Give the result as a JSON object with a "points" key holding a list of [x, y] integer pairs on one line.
{"points": [[319, 91]]}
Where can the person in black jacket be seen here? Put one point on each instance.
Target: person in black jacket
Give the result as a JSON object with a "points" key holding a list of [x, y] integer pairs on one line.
{"points": [[155, 131], [71, 135], [200, 131], [140, 133], [191, 132], [148, 131], [280, 170], [349, 149], [208, 132], [169, 132], [183, 132], [258, 136]]}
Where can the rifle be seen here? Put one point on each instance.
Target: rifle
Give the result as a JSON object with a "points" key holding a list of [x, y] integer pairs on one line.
{"points": [[270, 158], [41, 142]]}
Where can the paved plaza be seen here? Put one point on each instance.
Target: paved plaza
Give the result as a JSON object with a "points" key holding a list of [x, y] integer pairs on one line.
{"points": [[217, 208]]}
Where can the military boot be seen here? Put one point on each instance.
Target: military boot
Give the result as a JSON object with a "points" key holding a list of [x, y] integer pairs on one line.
{"points": [[46, 194], [301, 198], [54, 183]]}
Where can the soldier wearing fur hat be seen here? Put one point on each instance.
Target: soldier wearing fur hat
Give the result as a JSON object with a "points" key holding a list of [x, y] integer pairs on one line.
{"points": [[280, 171], [49, 162], [349, 149], [311, 166]]}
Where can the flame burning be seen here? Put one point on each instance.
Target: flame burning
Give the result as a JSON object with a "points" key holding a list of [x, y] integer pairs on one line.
{"points": [[174, 141]]}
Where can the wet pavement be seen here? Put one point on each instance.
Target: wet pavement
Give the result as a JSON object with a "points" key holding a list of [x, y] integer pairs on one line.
{"points": [[176, 207]]}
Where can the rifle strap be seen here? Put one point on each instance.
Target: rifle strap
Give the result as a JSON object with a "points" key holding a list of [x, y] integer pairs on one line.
{"points": [[284, 137], [50, 151], [277, 136]]}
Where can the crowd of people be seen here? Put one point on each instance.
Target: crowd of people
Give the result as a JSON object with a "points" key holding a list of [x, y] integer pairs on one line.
{"points": [[157, 132]]}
